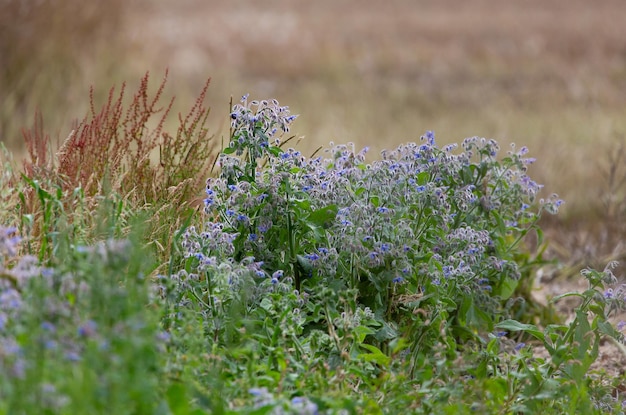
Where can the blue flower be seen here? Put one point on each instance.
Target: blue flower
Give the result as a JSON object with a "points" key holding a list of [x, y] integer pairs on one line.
{"points": [[430, 137], [312, 257], [88, 329], [47, 326]]}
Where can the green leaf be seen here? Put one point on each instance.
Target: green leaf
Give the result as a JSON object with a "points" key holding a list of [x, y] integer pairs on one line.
{"points": [[324, 216], [305, 265], [177, 399], [477, 318], [361, 332], [275, 151], [375, 356], [501, 227], [303, 204], [507, 287], [423, 178], [386, 333], [607, 328], [266, 304], [399, 344], [229, 150], [513, 325]]}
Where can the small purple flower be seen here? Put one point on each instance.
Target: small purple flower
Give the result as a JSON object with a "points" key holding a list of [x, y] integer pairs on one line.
{"points": [[163, 337], [88, 329], [430, 137], [47, 326], [72, 356]]}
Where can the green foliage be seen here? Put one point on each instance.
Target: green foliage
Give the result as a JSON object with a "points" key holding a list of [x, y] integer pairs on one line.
{"points": [[308, 286]]}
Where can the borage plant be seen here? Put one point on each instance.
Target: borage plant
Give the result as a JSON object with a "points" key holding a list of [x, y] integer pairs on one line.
{"points": [[426, 236]]}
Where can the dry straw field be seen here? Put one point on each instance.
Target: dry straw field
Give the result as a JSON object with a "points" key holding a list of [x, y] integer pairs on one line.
{"points": [[548, 75]]}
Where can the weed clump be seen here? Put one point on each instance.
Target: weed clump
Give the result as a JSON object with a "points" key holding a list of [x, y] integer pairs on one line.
{"points": [[121, 151]]}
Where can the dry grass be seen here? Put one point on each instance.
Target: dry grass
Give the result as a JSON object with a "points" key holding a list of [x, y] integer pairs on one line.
{"points": [[50, 52]]}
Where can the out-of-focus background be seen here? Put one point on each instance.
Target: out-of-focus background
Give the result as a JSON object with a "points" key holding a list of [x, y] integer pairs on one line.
{"points": [[550, 75]]}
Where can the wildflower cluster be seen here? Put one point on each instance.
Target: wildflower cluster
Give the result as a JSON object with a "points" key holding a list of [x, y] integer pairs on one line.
{"points": [[255, 128], [13, 280], [423, 219], [309, 285], [68, 313], [607, 293]]}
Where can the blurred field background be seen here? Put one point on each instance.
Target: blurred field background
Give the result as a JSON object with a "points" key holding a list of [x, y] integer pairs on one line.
{"points": [[550, 75]]}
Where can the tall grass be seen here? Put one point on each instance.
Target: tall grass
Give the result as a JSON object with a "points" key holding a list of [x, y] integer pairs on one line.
{"points": [[119, 150]]}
